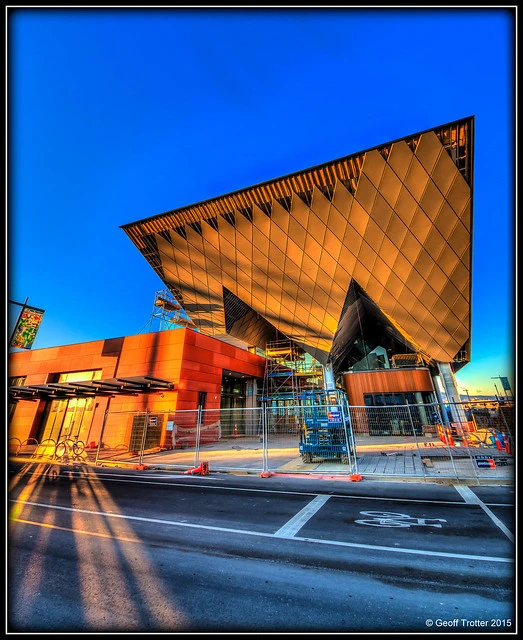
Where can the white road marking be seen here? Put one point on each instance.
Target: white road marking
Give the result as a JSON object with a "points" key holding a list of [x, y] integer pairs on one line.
{"points": [[292, 527], [471, 498], [118, 478], [354, 545], [390, 519]]}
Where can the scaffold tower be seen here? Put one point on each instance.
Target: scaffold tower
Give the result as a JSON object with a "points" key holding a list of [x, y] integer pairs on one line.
{"points": [[167, 314], [289, 371]]}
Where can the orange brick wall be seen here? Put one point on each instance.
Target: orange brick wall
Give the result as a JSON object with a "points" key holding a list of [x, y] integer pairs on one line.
{"points": [[39, 365], [192, 361]]}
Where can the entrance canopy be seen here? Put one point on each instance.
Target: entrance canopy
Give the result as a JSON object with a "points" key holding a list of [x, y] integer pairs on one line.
{"points": [[131, 386]]}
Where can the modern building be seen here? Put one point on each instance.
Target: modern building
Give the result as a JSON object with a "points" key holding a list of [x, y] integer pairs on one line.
{"points": [[353, 274], [363, 263], [72, 389]]}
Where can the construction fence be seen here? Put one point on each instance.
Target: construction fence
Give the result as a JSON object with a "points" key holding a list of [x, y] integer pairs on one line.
{"points": [[472, 440]]}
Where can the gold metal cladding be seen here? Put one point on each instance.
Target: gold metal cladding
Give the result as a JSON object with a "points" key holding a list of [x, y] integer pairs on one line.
{"points": [[397, 219]]}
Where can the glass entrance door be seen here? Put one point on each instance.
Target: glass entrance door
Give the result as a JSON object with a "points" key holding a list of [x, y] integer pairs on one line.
{"points": [[77, 418], [68, 418]]}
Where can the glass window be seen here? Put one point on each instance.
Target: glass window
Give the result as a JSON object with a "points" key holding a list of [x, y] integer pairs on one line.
{"points": [[379, 400], [78, 376]]}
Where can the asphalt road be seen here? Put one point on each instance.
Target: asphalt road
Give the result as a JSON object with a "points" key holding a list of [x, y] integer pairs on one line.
{"points": [[113, 550]]}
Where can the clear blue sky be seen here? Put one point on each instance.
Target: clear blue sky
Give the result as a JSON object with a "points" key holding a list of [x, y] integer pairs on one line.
{"points": [[120, 114]]}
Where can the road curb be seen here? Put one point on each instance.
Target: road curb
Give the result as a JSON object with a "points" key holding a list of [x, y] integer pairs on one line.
{"points": [[308, 475]]}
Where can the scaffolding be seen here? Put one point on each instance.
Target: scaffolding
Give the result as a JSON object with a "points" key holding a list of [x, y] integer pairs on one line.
{"points": [[289, 372], [167, 314], [297, 401]]}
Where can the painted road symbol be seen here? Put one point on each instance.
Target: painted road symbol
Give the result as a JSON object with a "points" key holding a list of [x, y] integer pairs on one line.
{"points": [[390, 519]]}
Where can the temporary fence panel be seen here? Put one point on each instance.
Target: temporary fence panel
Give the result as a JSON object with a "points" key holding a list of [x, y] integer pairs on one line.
{"points": [[387, 440], [146, 432], [230, 439], [226, 439], [317, 434], [422, 440], [123, 436]]}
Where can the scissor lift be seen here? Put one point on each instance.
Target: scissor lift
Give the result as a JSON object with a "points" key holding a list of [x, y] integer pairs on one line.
{"points": [[326, 432]]}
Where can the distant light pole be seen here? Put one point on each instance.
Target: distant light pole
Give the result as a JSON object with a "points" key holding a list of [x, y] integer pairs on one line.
{"points": [[467, 392]]}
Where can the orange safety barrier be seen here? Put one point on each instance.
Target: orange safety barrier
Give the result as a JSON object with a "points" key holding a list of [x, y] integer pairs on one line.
{"points": [[502, 442], [445, 436]]}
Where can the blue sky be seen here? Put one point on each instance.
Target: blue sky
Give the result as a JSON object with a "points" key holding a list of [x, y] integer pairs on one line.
{"points": [[120, 114]]}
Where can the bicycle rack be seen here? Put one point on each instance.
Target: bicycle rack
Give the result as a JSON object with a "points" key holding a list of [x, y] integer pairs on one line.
{"points": [[45, 448]]}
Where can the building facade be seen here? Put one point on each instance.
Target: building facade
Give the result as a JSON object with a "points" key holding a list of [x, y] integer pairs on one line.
{"points": [[361, 265], [364, 263], [69, 390]]}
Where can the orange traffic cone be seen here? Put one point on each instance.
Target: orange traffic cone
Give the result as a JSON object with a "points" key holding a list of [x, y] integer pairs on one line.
{"points": [[202, 469], [194, 470]]}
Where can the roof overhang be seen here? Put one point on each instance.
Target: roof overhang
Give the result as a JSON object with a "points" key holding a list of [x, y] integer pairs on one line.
{"points": [[129, 386], [281, 256]]}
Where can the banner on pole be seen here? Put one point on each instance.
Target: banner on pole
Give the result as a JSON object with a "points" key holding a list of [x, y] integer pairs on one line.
{"points": [[505, 383], [27, 327]]}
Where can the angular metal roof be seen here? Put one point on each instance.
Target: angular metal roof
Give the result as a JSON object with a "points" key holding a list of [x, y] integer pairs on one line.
{"points": [[395, 222]]}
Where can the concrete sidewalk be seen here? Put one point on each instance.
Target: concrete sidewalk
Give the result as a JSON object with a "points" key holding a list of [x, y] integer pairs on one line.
{"points": [[393, 458]]}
